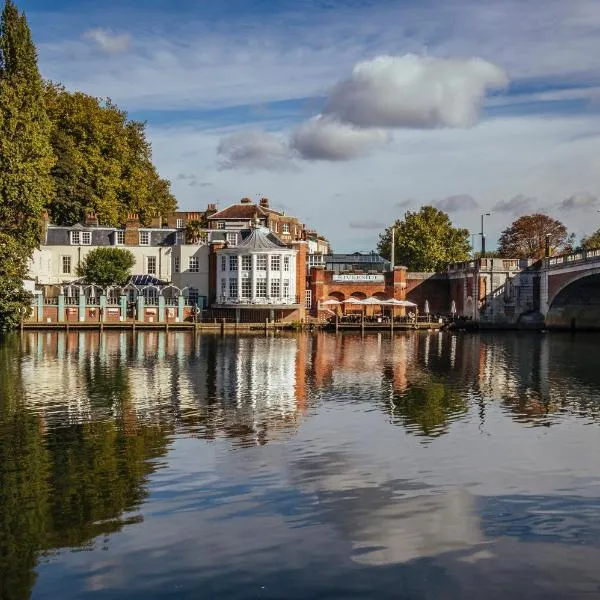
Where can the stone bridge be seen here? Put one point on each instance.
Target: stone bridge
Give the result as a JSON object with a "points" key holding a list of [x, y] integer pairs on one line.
{"points": [[570, 290]]}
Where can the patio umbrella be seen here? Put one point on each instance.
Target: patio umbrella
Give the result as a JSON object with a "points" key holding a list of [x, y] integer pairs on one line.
{"points": [[353, 301], [330, 302], [373, 301], [426, 307], [394, 302], [453, 307]]}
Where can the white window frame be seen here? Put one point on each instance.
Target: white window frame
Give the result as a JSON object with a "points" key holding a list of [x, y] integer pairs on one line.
{"points": [[233, 262], [286, 263], [285, 228], [246, 288], [177, 264], [119, 237], [275, 260], [62, 265], [246, 262], [233, 287], [262, 262], [308, 298], [261, 288], [223, 263], [153, 270], [179, 224], [75, 238], [86, 238], [275, 291], [193, 264], [144, 238], [220, 224], [232, 238]]}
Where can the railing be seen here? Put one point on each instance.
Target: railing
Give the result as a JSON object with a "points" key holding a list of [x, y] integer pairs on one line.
{"points": [[258, 301], [567, 259]]}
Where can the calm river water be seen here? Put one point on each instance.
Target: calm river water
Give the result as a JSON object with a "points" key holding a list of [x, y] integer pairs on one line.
{"points": [[155, 465]]}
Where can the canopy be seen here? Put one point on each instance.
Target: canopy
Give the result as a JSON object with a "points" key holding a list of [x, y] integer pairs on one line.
{"points": [[353, 301], [372, 301], [394, 302], [330, 302]]}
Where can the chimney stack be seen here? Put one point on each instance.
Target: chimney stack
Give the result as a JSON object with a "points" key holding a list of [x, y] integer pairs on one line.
{"points": [[91, 219], [264, 203], [245, 201]]}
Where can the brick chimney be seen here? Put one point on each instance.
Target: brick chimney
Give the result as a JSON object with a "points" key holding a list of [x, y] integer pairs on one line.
{"points": [[132, 230], [91, 219], [245, 201], [264, 203]]}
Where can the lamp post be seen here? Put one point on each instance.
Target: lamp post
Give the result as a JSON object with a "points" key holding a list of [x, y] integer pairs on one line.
{"points": [[483, 235]]}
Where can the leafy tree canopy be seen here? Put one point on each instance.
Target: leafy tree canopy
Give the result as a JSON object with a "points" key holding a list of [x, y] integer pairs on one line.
{"points": [[15, 301], [193, 231], [106, 266], [26, 156], [592, 241], [426, 240], [526, 237], [104, 162]]}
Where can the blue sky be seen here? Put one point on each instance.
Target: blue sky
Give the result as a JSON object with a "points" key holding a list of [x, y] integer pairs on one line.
{"points": [[473, 106]]}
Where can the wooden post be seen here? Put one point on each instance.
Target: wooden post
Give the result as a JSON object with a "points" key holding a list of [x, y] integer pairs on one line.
{"points": [[336, 322]]}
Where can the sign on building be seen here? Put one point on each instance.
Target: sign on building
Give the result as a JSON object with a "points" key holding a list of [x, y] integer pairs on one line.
{"points": [[359, 277]]}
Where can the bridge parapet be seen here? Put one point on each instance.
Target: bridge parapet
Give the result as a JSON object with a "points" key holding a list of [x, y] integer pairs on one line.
{"points": [[569, 259]]}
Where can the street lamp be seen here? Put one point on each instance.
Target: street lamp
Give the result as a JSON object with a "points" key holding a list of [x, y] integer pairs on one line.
{"points": [[483, 235]]}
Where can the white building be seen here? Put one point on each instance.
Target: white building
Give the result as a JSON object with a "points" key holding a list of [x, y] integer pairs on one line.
{"points": [[260, 270]]}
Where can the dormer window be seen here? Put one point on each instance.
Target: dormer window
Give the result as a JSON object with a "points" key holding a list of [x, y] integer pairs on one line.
{"points": [[81, 238], [119, 238], [144, 238], [285, 228], [220, 224]]}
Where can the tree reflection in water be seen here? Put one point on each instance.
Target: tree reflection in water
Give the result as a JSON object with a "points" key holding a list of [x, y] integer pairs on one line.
{"points": [[64, 486]]}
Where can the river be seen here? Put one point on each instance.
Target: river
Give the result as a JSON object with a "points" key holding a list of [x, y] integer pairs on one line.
{"points": [[423, 465]]}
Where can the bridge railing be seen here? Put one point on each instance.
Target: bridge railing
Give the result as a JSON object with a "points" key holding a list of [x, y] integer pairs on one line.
{"points": [[568, 259]]}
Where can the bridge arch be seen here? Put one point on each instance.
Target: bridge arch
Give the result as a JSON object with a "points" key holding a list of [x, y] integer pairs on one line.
{"points": [[576, 303]]}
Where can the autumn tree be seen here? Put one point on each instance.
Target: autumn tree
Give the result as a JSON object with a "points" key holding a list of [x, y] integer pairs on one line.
{"points": [[106, 266], [592, 241], [528, 235], [425, 241], [104, 162], [26, 155]]}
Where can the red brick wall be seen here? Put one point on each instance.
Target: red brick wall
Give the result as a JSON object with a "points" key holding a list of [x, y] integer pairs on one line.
{"points": [[434, 289]]}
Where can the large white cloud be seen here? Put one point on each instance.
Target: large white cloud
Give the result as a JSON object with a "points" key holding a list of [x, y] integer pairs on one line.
{"points": [[414, 91], [253, 150], [108, 41], [323, 138]]}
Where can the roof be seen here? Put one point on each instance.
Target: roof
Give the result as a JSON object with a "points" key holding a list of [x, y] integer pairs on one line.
{"points": [[356, 257], [145, 280], [261, 238], [239, 211]]}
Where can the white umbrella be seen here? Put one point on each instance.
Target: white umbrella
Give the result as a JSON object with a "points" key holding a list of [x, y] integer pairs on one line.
{"points": [[374, 301], [394, 302], [330, 302], [426, 307], [453, 307], [353, 301]]}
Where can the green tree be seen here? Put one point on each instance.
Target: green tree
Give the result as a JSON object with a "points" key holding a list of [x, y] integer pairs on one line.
{"points": [[15, 301], [104, 162], [26, 155], [106, 266], [527, 236], [193, 231], [592, 241], [425, 241]]}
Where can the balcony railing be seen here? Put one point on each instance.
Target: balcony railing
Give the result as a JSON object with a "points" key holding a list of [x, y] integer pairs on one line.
{"points": [[258, 301]]}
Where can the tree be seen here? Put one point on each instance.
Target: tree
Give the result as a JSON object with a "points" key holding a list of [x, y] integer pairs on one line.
{"points": [[26, 156], [193, 231], [527, 237], [104, 162], [106, 266], [592, 241], [425, 241], [15, 301]]}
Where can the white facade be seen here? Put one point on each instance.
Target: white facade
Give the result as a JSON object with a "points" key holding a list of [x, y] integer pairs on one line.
{"points": [[259, 271], [190, 269]]}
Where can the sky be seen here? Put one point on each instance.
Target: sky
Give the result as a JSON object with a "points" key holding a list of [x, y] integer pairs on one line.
{"points": [[349, 113]]}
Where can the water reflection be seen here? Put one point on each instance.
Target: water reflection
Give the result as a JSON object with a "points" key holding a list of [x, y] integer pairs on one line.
{"points": [[301, 460]]}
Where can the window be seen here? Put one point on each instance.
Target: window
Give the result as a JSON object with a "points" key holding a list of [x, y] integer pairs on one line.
{"points": [[261, 288], [233, 263], [220, 224], [286, 289], [86, 238], [275, 288], [286, 263], [75, 238], [232, 238], [246, 288], [275, 262], [119, 238], [177, 264], [261, 262], [66, 265], [223, 287], [194, 265], [246, 262], [179, 224], [193, 296], [308, 299], [285, 228], [223, 263], [203, 237], [233, 288], [144, 238], [151, 265]]}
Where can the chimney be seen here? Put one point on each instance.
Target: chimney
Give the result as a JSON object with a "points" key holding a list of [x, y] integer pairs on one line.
{"points": [[91, 219], [245, 201], [264, 203]]}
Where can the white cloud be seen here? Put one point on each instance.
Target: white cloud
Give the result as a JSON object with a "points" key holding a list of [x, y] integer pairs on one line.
{"points": [[580, 200], [457, 203], [414, 91], [107, 41], [516, 206], [322, 138], [253, 150]]}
